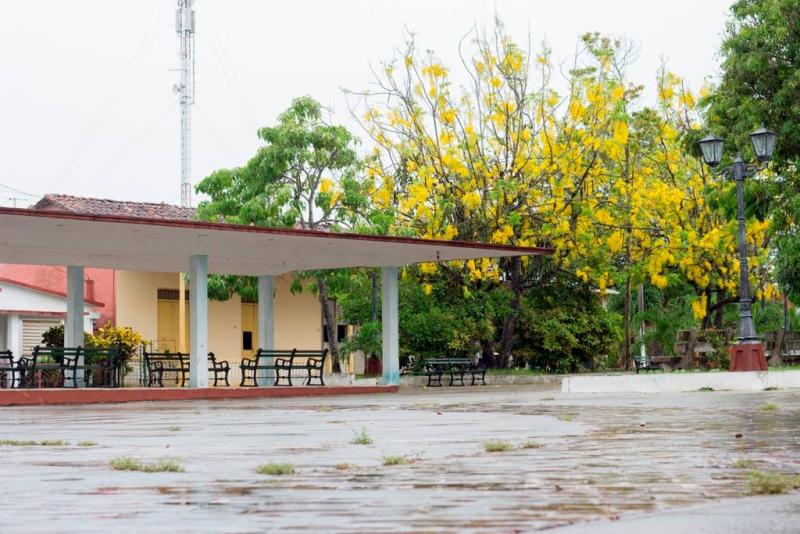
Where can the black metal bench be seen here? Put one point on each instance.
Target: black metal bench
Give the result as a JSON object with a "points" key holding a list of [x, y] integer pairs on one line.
{"points": [[220, 368], [160, 363], [435, 368], [8, 370], [283, 363], [101, 366], [643, 363]]}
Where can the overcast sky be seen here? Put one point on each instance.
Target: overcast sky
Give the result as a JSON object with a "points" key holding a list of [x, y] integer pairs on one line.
{"points": [[86, 101]]}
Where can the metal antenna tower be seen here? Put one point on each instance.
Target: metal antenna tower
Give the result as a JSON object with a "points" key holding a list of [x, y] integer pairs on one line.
{"points": [[184, 27]]}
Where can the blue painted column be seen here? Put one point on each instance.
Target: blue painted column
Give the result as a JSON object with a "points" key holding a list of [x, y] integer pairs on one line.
{"points": [[266, 325], [73, 325], [198, 324], [389, 318]]}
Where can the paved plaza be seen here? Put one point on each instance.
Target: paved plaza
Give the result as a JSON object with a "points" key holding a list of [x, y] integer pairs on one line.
{"points": [[622, 460]]}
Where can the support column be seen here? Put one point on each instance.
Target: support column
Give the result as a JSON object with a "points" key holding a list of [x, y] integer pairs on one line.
{"points": [[14, 335], [266, 324], [198, 321], [389, 319], [73, 326]]}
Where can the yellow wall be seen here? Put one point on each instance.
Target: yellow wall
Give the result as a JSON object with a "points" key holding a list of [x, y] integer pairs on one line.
{"points": [[297, 317]]}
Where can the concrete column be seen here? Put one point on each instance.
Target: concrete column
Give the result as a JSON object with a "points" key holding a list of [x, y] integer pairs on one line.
{"points": [[14, 335], [389, 318], [73, 326], [198, 323], [266, 323]]}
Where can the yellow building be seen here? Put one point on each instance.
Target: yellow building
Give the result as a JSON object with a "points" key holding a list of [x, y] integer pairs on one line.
{"points": [[149, 303]]}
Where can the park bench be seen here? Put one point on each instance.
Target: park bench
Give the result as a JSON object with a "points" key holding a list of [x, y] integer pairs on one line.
{"points": [[8, 370], [220, 369], [643, 363], [456, 367], [101, 366], [159, 364], [283, 363]]}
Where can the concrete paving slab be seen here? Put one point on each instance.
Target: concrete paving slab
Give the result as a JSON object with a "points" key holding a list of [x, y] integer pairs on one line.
{"points": [[598, 457]]}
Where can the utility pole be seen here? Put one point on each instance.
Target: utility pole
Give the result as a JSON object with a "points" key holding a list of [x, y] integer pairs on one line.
{"points": [[184, 27]]}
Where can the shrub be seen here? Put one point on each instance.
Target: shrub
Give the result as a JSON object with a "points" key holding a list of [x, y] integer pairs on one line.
{"points": [[763, 483], [275, 469], [362, 438], [395, 460], [126, 463], [768, 407], [530, 444], [496, 445]]}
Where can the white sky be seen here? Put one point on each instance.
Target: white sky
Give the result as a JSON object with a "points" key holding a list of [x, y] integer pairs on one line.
{"points": [[86, 102]]}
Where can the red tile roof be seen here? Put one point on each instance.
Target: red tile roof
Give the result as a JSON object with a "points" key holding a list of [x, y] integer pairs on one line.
{"points": [[102, 206]]}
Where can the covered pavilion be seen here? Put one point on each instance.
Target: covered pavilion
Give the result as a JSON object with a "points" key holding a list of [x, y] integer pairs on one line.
{"points": [[201, 248]]}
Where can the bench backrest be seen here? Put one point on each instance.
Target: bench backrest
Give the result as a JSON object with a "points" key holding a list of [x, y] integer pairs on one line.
{"points": [[179, 357], [56, 354], [6, 358]]}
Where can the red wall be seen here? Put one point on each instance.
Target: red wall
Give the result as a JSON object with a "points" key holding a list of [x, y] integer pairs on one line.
{"points": [[99, 284]]}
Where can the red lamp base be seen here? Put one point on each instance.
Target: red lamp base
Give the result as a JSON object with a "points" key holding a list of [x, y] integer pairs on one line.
{"points": [[747, 357]]}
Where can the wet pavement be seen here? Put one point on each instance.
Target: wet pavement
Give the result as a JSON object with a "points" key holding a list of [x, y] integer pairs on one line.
{"points": [[600, 457]]}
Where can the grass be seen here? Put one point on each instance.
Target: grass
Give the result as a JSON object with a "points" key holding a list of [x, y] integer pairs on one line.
{"points": [[496, 445], [324, 409], [705, 388], [743, 463], [395, 460], [32, 443], [763, 483], [126, 463], [565, 417], [768, 407], [174, 428], [275, 469], [87, 443], [362, 438], [530, 444]]}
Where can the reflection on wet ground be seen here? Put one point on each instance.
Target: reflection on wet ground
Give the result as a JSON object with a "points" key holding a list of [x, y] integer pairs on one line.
{"points": [[599, 457]]}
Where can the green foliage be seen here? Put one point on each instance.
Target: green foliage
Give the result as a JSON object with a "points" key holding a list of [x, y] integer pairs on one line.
{"points": [[395, 460], [497, 445], [124, 338], [126, 463], [54, 336], [564, 328], [367, 339], [761, 59], [275, 469], [31, 443], [765, 483], [362, 438]]}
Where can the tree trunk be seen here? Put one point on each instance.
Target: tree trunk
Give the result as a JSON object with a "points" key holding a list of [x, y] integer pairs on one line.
{"points": [[626, 349], [510, 322], [330, 323], [487, 353]]}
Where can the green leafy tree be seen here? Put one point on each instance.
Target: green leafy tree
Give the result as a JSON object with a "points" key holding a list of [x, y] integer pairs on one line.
{"points": [[306, 175], [760, 85]]}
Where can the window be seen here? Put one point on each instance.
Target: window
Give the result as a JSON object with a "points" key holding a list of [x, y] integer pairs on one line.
{"points": [[247, 340]]}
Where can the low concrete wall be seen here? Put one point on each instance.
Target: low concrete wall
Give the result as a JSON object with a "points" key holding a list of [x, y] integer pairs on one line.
{"points": [[493, 380], [677, 382]]}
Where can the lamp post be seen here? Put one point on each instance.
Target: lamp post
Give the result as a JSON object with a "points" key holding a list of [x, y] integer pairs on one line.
{"points": [[748, 353]]}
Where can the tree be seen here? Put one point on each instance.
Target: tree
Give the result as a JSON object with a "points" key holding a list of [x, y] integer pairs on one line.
{"points": [[759, 85], [305, 176]]}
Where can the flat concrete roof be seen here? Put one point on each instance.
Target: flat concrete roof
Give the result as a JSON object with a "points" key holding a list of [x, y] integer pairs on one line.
{"points": [[159, 245]]}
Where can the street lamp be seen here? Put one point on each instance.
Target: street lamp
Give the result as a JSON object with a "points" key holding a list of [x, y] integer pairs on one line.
{"points": [[748, 353]]}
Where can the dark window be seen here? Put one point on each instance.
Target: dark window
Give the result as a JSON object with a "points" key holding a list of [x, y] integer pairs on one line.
{"points": [[247, 340], [341, 332]]}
